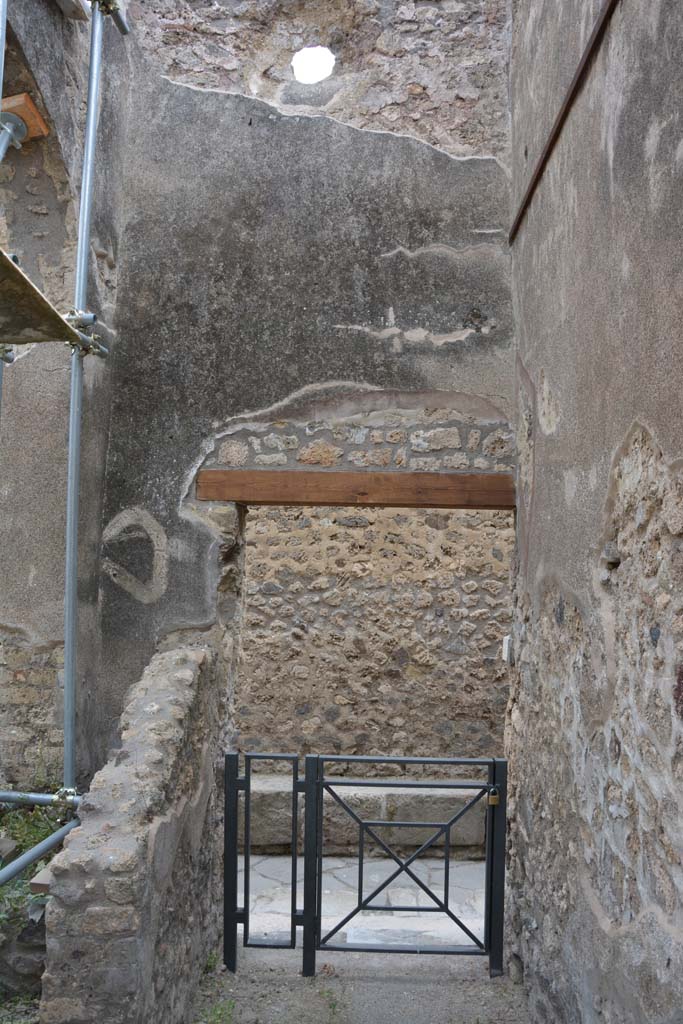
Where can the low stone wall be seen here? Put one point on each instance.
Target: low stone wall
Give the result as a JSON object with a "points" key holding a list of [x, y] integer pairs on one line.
{"points": [[133, 913]]}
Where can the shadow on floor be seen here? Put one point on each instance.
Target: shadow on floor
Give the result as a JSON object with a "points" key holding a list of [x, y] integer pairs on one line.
{"points": [[352, 988]]}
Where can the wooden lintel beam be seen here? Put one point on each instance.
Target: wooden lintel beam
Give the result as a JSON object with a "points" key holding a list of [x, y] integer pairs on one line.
{"points": [[393, 490]]}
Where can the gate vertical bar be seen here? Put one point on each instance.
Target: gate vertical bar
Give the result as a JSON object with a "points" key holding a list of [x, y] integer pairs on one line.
{"points": [[310, 865], [230, 845], [489, 863], [497, 907], [295, 842], [247, 846]]}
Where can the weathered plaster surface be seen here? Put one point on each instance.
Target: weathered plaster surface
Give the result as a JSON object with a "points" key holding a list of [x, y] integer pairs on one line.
{"points": [[435, 71], [242, 255], [265, 255], [594, 740]]}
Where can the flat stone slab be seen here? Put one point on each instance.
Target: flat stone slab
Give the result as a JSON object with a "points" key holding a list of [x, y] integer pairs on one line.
{"points": [[271, 820], [270, 900]]}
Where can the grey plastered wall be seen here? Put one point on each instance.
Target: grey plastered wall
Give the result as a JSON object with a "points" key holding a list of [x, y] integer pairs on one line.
{"points": [[47, 57], [266, 256], [595, 730], [246, 257]]}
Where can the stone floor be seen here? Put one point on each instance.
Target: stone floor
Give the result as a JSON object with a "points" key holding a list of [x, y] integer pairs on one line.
{"points": [[363, 988], [270, 887]]}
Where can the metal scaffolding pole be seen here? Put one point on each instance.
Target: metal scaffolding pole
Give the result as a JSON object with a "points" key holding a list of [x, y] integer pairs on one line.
{"points": [[75, 407], [20, 863], [3, 40], [66, 798], [62, 799]]}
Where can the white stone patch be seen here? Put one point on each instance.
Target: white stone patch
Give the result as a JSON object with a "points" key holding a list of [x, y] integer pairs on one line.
{"points": [[313, 64], [147, 592]]}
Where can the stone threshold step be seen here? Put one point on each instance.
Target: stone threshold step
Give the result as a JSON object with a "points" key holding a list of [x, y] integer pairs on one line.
{"points": [[271, 819]]}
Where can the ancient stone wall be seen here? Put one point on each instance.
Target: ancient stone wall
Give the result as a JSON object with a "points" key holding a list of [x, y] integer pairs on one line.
{"points": [[265, 240], [423, 440], [133, 911], [374, 631], [595, 737]]}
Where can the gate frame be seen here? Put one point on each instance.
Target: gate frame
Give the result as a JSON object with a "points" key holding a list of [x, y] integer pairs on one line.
{"points": [[313, 786]]}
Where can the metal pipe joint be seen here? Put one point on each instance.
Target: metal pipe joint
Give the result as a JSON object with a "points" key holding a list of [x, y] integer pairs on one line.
{"points": [[13, 131]]}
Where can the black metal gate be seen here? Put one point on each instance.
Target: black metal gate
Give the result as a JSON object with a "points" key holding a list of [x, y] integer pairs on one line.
{"points": [[320, 780]]}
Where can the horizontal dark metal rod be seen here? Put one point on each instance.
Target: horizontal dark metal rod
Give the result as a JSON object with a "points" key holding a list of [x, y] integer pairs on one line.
{"points": [[10, 796], [367, 759], [20, 863], [255, 944], [406, 909], [333, 780], [271, 757], [404, 824], [577, 81], [360, 947]]}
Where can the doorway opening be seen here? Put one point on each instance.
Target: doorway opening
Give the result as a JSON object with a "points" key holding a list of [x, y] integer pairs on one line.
{"points": [[372, 632]]}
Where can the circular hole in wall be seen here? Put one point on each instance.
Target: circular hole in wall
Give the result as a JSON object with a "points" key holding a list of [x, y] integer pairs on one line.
{"points": [[312, 64]]}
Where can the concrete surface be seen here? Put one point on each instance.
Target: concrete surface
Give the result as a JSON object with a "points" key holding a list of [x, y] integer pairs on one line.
{"points": [[368, 988], [353, 988]]}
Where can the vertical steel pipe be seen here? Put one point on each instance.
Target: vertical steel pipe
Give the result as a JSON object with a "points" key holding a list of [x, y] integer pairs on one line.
{"points": [[75, 406], [89, 158], [3, 40], [37, 852], [5, 142]]}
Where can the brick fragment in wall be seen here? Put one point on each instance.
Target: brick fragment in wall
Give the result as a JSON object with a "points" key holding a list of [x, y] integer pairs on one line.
{"points": [[426, 465], [376, 457], [320, 453], [271, 459], [355, 619], [435, 440], [233, 453], [498, 443]]}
